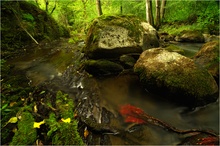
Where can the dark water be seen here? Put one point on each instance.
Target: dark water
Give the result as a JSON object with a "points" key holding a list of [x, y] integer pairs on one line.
{"points": [[127, 90], [44, 66]]}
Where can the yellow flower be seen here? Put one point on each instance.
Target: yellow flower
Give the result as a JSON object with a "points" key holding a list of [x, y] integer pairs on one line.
{"points": [[37, 124], [68, 120]]}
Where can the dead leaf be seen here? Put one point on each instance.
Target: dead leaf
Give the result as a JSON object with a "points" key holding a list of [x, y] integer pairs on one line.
{"points": [[37, 124], [68, 120], [86, 132]]}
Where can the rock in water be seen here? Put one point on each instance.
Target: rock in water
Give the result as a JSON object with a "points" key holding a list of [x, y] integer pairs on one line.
{"points": [[176, 77], [113, 36], [208, 57]]}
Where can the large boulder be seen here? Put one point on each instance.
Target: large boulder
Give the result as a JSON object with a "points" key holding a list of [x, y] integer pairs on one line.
{"points": [[176, 77], [190, 36], [113, 36], [208, 57]]}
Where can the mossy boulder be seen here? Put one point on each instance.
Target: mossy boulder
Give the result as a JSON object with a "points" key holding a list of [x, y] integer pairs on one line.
{"points": [[102, 67], [113, 36], [208, 57], [190, 36], [18, 18], [176, 77], [174, 48]]}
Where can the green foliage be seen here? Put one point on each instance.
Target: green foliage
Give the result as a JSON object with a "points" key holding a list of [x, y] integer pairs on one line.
{"points": [[199, 15], [28, 17], [26, 134]]}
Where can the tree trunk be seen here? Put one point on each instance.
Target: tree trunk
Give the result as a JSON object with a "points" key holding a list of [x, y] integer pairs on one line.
{"points": [[162, 9], [37, 3], [99, 8], [53, 7], [157, 19], [149, 14], [121, 11]]}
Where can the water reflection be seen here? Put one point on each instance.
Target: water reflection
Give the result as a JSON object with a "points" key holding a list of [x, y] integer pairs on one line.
{"points": [[127, 89]]}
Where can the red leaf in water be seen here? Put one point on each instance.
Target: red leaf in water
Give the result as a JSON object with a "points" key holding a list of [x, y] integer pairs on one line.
{"points": [[211, 140], [130, 110], [130, 119], [131, 113]]}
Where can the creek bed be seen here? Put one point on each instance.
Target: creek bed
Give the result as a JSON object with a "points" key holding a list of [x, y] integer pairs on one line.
{"points": [[48, 65]]}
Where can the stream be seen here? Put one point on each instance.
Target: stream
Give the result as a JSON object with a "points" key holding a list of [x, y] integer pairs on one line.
{"points": [[48, 63]]}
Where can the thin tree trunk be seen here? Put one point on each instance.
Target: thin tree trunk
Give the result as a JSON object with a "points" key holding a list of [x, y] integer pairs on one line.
{"points": [[149, 14], [46, 4], [121, 11], [99, 8], [157, 19], [54, 7], [162, 9], [37, 3]]}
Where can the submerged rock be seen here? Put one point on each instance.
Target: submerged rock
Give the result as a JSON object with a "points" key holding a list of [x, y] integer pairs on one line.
{"points": [[102, 67], [113, 36], [208, 57], [176, 77], [174, 48], [190, 36]]}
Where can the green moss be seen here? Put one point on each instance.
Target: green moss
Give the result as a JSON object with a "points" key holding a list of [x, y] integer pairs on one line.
{"points": [[67, 134], [173, 48], [26, 134], [18, 16], [63, 133]]}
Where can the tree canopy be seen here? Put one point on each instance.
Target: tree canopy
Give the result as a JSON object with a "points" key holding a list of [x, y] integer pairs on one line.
{"points": [[76, 14]]}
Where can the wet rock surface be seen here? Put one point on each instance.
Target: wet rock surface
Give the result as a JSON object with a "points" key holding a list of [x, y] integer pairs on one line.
{"points": [[112, 40], [176, 77], [190, 36], [208, 58]]}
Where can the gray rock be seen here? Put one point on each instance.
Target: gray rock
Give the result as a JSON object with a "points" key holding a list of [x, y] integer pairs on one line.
{"points": [[113, 36], [176, 77]]}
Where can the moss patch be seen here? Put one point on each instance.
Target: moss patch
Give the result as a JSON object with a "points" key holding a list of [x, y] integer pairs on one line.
{"points": [[173, 48], [18, 16], [26, 134]]}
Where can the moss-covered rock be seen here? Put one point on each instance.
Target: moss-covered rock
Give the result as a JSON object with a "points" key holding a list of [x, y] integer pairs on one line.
{"points": [[26, 134], [112, 36], [102, 67], [208, 57], [63, 128], [175, 76], [190, 36], [174, 48], [128, 60], [18, 18]]}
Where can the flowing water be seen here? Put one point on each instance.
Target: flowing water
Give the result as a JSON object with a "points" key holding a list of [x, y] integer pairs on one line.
{"points": [[190, 48], [45, 65]]}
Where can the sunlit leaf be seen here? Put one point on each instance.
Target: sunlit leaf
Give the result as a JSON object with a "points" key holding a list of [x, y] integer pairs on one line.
{"points": [[42, 92], [86, 132], [68, 120], [12, 104], [4, 106], [37, 124], [13, 120]]}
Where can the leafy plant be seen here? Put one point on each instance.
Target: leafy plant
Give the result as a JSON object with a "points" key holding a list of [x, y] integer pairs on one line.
{"points": [[28, 17]]}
